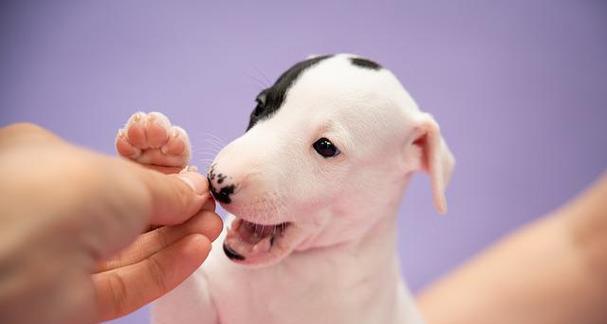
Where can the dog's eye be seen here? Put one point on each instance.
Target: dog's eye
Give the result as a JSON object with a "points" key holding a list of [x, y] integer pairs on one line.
{"points": [[325, 148]]}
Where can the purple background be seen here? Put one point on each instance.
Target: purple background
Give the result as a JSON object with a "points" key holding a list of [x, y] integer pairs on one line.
{"points": [[519, 88]]}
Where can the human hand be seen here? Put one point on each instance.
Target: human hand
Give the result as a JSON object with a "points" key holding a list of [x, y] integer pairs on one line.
{"points": [[69, 214]]}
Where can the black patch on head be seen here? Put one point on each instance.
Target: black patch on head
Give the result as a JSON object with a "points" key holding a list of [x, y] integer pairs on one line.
{"points": [[271, 99], [230, 253], [365, 63]]}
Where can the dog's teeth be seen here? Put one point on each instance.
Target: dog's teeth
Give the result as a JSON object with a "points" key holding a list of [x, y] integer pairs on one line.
{"points": [[236, 224], [262, 246]]}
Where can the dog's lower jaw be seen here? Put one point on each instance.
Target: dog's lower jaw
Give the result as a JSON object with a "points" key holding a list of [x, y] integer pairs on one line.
{"points": [[255, 245]]}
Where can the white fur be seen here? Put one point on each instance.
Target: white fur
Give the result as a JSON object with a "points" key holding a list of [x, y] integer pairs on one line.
{"points": [[338, 263]]}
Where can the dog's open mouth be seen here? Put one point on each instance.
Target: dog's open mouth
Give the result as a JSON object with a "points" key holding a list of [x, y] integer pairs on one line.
{"points": [[248, 242]]}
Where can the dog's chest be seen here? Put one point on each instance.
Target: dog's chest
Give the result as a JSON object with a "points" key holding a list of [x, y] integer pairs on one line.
{"points": [[306, 288]]}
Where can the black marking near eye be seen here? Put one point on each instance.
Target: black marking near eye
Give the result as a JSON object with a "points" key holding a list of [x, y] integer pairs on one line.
{"points": [[365, 63], [272, 98]]}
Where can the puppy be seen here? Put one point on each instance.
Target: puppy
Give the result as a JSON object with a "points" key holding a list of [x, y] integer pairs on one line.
{"points": [[313, 189]]}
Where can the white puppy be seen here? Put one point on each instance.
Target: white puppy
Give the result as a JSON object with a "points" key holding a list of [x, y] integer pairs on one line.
{"points": [[313, 187]]}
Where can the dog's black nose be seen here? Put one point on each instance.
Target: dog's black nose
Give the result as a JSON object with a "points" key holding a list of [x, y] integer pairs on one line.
{"points": [[220, 189], [223, 195]]}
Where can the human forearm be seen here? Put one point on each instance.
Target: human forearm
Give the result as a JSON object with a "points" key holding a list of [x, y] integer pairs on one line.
{"points": [[552, 271]]}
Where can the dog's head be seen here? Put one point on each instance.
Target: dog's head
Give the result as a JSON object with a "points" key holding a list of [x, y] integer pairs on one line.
{"points": [[327, 153]]}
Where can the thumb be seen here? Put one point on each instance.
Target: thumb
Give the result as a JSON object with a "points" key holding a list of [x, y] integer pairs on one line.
{"points": [[174, 198], [131, 197]]}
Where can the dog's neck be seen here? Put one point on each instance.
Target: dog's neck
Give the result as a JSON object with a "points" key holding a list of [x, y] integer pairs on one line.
{"points": [[375, 251], [368, 266], [357, 214]]}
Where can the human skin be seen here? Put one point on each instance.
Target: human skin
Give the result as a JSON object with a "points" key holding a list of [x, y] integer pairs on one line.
{"points": [[73, 240], [551, 271]]}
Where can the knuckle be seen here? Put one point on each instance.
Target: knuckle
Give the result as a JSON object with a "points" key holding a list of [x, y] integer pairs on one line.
{"points": [[24, 128], [209, 205], [163, 236], [118, 294], [184, 196], [158, 274], [26, 131], [216, 226]]}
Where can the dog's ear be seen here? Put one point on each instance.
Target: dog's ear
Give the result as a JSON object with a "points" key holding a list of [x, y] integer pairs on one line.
{"points": [[435, 158]]}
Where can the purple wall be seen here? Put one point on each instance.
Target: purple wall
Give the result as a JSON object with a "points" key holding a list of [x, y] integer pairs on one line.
{"points": [[519, 88]]}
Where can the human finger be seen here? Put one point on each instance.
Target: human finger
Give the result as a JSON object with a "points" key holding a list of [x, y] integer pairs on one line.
{"points": [[205, 222], [123, 290]]}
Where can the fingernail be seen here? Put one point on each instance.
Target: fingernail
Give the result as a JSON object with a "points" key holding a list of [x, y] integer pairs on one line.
{"points": [[195, 180]]}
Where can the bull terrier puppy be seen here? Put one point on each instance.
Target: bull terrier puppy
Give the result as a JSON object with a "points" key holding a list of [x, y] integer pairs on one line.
{"points": [[312, 188]]}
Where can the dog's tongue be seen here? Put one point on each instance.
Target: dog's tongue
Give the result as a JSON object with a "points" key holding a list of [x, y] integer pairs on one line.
{"points": [[253, 233], [250, 239]]}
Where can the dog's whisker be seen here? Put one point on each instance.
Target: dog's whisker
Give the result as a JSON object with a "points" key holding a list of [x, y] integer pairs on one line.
{"points": [[214, 149], [210, 146], [214, 146], [218, 139], [206, 157], [206, 161], [261, 83], [207, 153], [264, 76], [205, 150], [214, 142], [200, 133]]}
